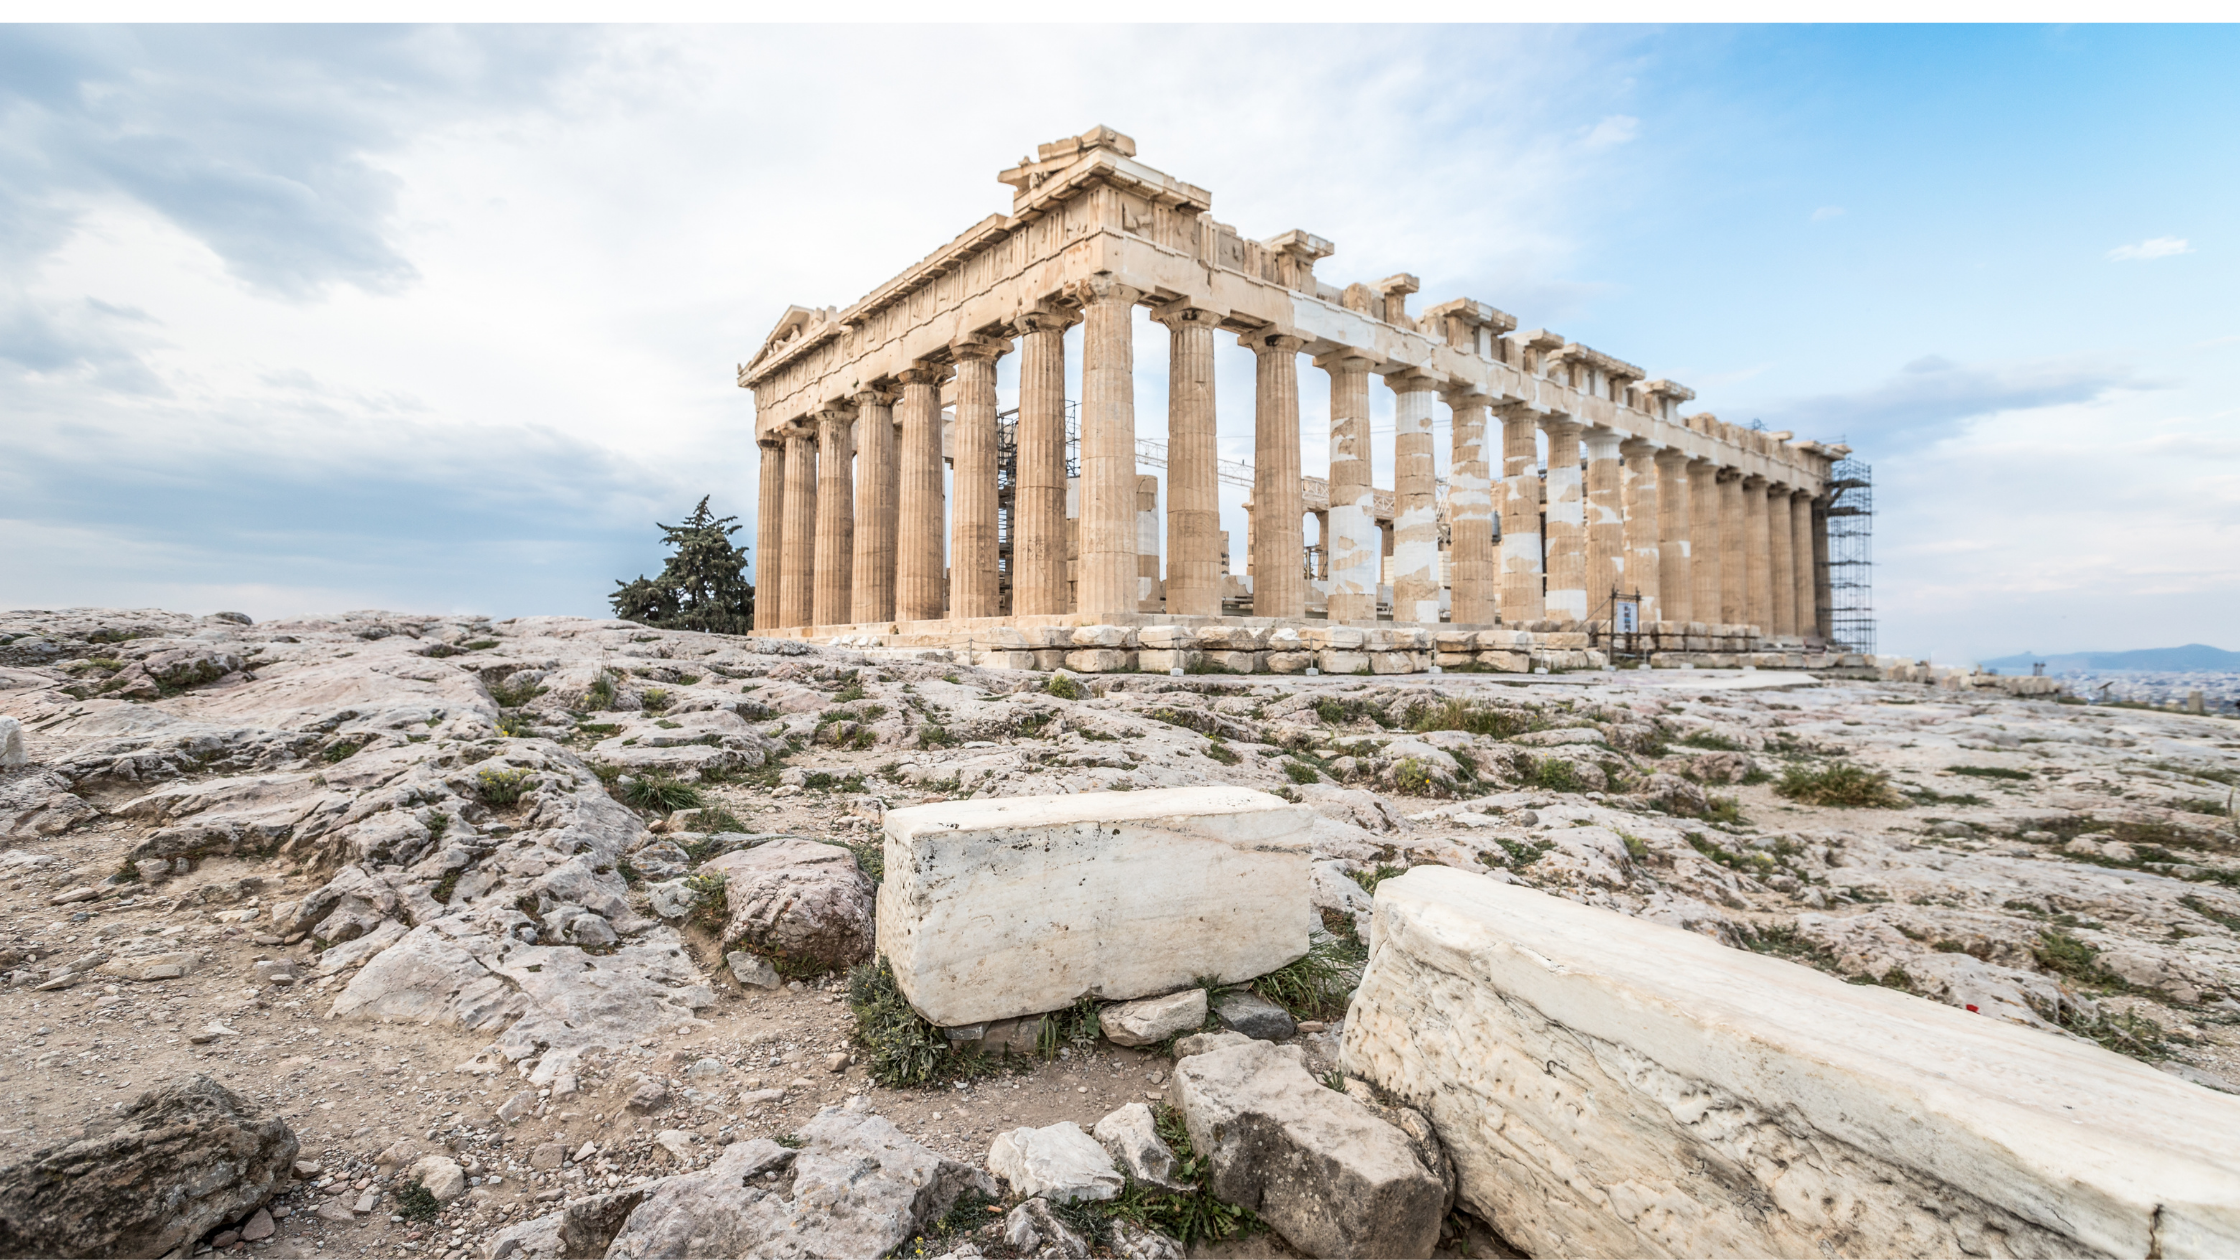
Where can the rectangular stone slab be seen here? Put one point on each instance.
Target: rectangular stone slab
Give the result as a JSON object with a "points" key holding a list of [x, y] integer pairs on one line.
{"points": [[998, 908], [1610, 1086]]}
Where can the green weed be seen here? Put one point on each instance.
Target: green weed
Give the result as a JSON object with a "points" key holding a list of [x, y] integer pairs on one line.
{"points": [[500, 788], [661, 793], [1989, 772], [1063, 687], [1315, 984], [1844, 786]]}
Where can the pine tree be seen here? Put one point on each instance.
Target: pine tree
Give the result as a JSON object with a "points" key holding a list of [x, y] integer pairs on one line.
{"points": [[702, 587]]}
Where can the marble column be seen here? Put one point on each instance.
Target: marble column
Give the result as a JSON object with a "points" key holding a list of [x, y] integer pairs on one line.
{"points": [[918, 584], [1522, 599], [1108, 584], [1734, 544], [1567, 520], [770, 535], [1800, 548], [975, 578], [1643, 545], [1193, 486], [834, 583], [1781, 560], [1675, 594], [1279, 580], [1470, 512], [1823, 593], [877, 479], [1038, 499], [1606, 525], [1757, 559], [1705, 554], [799, 608], [1415, 505], [1352, 544]]}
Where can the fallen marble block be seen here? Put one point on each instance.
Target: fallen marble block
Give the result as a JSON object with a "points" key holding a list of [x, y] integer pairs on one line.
{"points": [[998, 908], [1610, 1086]]}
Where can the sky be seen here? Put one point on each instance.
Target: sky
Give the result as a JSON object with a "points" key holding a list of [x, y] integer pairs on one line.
{"points": [[307, 319]]}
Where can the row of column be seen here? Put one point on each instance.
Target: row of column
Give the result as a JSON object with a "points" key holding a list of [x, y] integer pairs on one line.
{"points": [[851, 502]]}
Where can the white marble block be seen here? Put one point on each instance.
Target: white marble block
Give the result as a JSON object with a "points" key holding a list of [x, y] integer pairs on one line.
{"points": [[1014, 906], [1611, 1086]]}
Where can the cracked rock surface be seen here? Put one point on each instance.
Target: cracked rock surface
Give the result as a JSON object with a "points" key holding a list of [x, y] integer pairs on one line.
{"points": [[429, 879]]}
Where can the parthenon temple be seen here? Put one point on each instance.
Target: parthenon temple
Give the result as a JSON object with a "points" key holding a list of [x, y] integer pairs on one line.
{"points": [[898, 507]]}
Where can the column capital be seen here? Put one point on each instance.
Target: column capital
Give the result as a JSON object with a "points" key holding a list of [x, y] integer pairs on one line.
{"points": [[979, 348], [1672, 456], [839, 407], [1461, 394], [875, 396], [923, 373], [1180, 314], [1517, 410], [1726, 474], [1640, 448], [1752, 481], [1271, 340], [1050, 316], [1346, 358], [1099, 290], [1559, 422], [1410, 380]]}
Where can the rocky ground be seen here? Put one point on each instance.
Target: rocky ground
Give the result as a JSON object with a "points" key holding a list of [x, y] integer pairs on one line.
{"points": [[425, 885]]}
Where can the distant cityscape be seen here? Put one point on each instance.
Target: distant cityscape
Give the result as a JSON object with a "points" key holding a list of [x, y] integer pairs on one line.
{"points": [[2163, 677]]}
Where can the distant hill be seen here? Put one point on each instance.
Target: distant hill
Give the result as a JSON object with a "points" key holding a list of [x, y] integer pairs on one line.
{"points": [[2193, 656]]}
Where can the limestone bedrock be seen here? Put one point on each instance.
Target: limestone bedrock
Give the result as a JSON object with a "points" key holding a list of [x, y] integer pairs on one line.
{"points": [[1729, 1103], [998, 908]]}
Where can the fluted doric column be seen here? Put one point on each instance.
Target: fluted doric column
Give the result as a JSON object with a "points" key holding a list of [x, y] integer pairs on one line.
{"points": [[1705, 552], [1757, 557], [799, 607], [1644, 546], [770, 536], [1606, 522], [1675, 596], [1734, 546], [975, 581], [1823, 594], [834, 582], [877, 473], [1522, 598], [919, 591], [1279, 549], [1038, 496], [1415, 505], [1566, 522], [1193, 484], [1781, 561], [1108, 582], [1353, 545], [1800, 548], [1470, 512]]}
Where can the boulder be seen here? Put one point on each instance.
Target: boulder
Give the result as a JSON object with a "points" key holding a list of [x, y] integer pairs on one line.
{"points": [[1149, 1021], [440, 1175], [1130, 1135], [993, 909], [11, 744], [1035, 1229], [859, 1187], [1241, 1010], [799, 900], [1323, 1169], [752, 970], [183, 1159], [585, 1227], [1060, 1163], [1730, 1103]]}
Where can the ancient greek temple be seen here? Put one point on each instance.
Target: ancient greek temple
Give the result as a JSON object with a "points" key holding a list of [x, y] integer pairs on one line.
{"points": [[1045, 543]]}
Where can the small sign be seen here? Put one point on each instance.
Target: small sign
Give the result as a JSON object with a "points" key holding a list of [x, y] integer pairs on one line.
{"points": [[1626, 610]]}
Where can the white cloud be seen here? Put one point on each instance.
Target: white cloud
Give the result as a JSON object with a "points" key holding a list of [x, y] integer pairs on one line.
{"points": [[1614, 130], [1824, 213], [2150, 249]]}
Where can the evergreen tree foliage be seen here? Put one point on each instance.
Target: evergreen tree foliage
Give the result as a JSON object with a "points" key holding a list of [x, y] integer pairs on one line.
{"points": [[702, 587]]}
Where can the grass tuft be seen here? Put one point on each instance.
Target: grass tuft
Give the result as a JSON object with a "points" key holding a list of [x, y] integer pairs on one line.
{"points": [[500, 788], [1840, 785]]}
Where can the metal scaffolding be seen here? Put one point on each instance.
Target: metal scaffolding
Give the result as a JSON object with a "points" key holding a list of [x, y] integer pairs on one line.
{"points": [[1846, 574]]}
